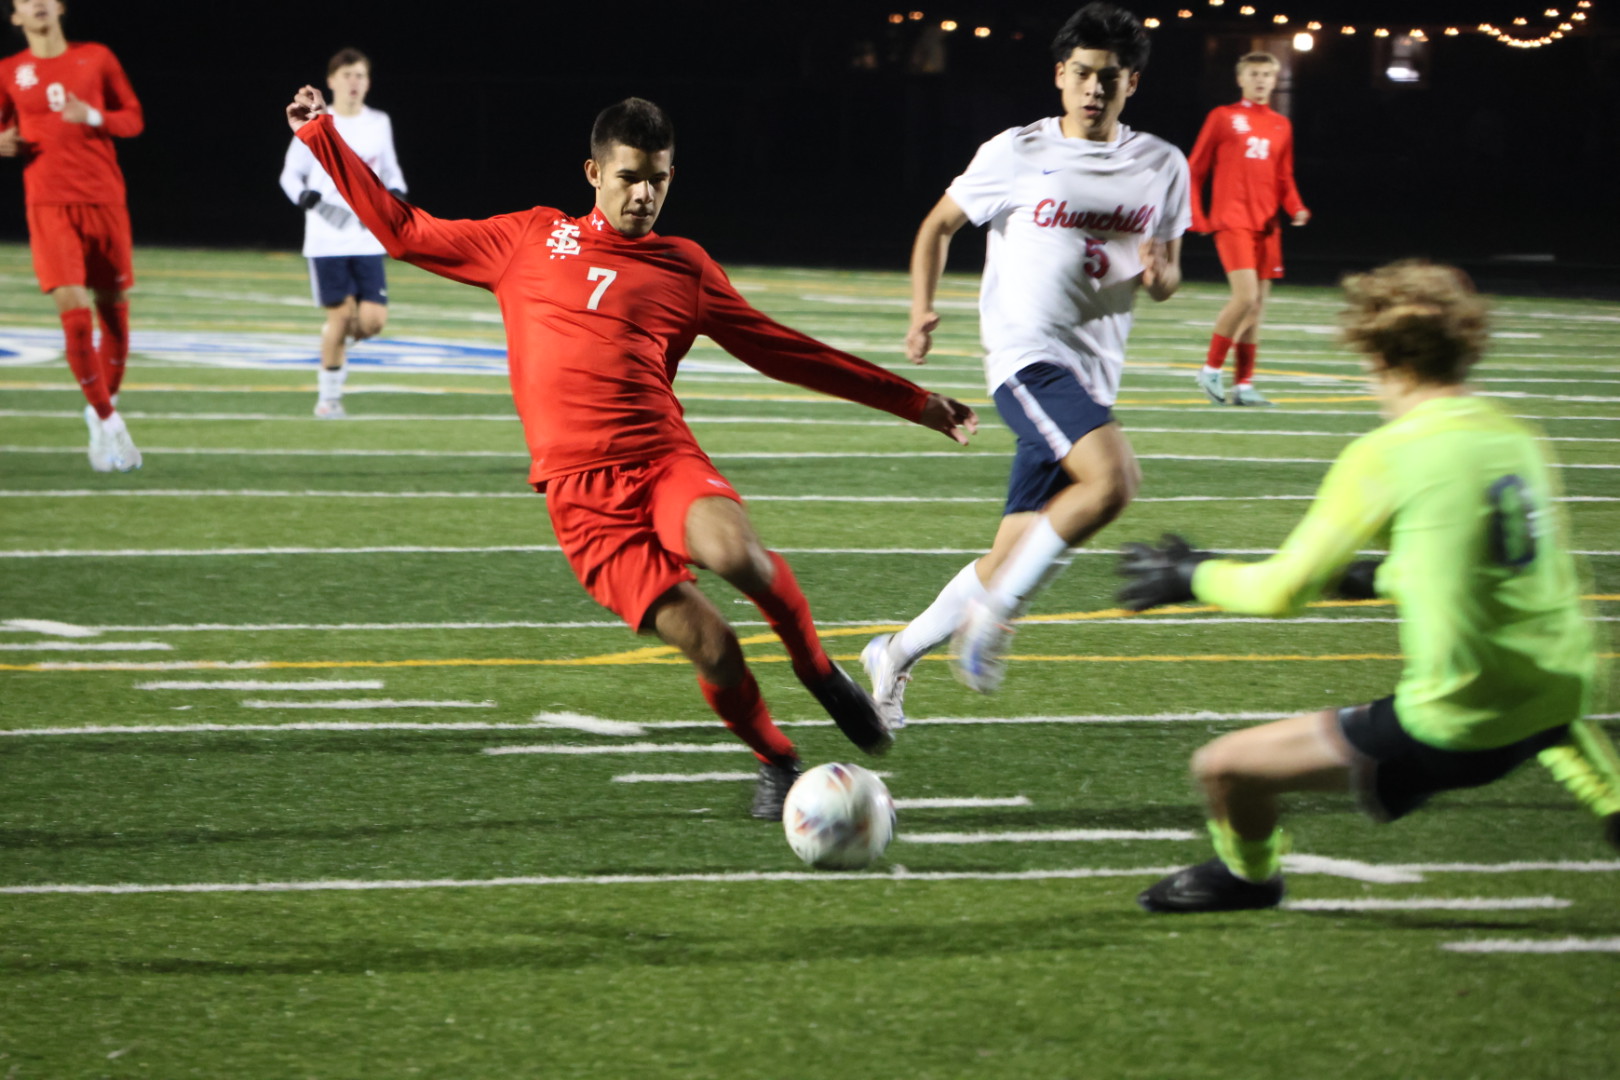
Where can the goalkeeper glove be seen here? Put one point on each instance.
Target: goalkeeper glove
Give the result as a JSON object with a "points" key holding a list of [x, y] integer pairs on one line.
{"points": [[335, 216], [1158, 575], [309, 200], [1357, 582]]}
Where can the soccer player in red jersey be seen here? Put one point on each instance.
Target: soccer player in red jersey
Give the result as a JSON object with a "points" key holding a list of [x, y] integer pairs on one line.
{"points": [[599, 311], [1249, 148], [61, 105]]}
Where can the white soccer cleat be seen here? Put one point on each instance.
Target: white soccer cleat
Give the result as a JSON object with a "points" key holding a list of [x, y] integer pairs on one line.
{"points": [[99, 460], [888, 680], [979, 647], [1209, 381], [121, 451], [329, 409]]}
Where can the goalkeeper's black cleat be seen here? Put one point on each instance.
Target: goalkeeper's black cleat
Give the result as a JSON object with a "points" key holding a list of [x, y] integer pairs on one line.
{"points": [[1210, 886], [853, 710], [775, 781]]}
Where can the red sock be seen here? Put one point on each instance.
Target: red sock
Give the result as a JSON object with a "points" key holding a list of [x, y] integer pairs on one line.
{"points": [[81, 357], [1219, 346], [1245, 363], [744, 712], [788, 613], [114, 347]]}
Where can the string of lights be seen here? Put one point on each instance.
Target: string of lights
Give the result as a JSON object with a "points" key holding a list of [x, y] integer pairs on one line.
{"points": [[1528, 31]]}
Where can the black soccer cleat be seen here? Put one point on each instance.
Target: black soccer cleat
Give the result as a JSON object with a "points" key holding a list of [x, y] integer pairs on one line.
{"points": [[775, 781], [1210, 886], [854, 711]]}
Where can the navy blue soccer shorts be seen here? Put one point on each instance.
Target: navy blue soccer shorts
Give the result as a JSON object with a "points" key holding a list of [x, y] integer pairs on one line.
{"points": [[335, 278], [1049, 411]]}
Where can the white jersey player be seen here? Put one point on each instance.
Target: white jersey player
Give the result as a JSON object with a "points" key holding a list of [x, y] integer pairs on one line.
{"points": [[345, 260], [1082, 213]]}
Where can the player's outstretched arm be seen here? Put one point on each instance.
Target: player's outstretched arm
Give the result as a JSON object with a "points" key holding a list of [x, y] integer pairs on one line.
{"points": [[1158, 574], [928, 254], [11, 144], [472, 252]]}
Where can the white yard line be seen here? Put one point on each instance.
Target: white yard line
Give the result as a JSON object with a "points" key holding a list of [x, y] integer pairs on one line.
{"points": [[262, 684], [85, 646], [875, 500], [429, 549], [49, 626], [1046, 836], [624, 748], [195, 729], [697, 778], [1533, 945], [1509, 903], [968, 802], [654, 725], [367, 703], [896, 874]]}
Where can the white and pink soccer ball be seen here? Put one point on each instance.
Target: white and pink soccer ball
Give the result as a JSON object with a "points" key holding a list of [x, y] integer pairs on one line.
{"points": [[838, 817]]}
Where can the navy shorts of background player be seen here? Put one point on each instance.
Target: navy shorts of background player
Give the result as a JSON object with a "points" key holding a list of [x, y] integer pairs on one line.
{"points": [[1049, 411], [335, 278]]}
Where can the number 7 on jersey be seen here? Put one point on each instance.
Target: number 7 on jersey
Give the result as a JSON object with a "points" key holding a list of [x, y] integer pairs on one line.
{"points": [[606, 277]]}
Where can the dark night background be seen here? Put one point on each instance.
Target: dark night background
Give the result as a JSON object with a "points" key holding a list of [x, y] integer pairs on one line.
{"points": [[806, 135]]}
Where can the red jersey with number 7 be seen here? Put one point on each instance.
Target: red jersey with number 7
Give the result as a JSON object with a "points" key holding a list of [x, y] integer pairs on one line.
{"points": [[596, 321], [1250, 150], [69, 163]]}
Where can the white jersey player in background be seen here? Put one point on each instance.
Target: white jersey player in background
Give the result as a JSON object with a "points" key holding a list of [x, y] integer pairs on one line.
{"points": [[345, 260], [1082, 212]]}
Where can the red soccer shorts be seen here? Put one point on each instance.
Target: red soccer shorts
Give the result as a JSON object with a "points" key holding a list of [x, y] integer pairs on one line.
{"points": [[1244, 249], [81, 244], [623, 527]]}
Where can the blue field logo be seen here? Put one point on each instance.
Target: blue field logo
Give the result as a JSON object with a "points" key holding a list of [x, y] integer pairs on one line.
{"points": [[32, 347]]}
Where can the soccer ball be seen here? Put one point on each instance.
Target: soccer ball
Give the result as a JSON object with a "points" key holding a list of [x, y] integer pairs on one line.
{"points": [[838, 817]]}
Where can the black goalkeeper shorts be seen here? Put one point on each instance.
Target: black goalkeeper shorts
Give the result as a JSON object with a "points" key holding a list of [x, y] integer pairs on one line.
{"points": [[1399, 773]]}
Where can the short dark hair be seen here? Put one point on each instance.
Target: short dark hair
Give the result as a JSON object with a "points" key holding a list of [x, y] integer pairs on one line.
{"points": [[635, 122], [1104, 26], [344, 57]]}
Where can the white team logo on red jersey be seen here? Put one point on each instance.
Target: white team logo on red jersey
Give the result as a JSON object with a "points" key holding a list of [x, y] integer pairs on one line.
{"points": [[564, 239], [1240, 123], [27, 77]]}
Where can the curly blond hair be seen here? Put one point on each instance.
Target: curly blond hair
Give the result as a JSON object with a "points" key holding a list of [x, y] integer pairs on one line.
{"points": [[1417, 315]]}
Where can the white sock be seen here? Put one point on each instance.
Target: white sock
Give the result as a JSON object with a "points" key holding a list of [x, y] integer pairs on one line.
{"points": [[1032, 563], [331, 382], [113, 424], [935, 625]]}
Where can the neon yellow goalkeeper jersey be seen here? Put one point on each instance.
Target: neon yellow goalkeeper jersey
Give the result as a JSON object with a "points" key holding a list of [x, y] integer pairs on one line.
{"points": [[1496, 642]]}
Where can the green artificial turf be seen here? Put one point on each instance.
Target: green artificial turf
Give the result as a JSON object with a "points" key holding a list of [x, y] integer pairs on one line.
{"points": [[654, 929]]}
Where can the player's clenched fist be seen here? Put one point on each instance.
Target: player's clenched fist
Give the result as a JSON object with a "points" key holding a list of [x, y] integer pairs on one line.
{"points": [[920, 338], [306, 105]]}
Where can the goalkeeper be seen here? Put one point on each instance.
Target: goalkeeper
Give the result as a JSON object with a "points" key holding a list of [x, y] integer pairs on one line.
{"points": [[1500, 659]]}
